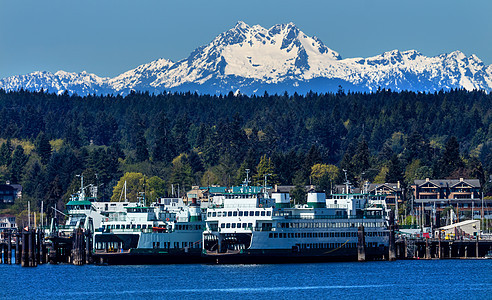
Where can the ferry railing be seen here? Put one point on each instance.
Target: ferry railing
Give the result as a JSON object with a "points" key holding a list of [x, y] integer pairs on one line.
{"points": [[347, 217]]}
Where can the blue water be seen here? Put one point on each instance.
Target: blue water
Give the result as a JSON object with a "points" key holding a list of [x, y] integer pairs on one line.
{"points": [[433, 279]]}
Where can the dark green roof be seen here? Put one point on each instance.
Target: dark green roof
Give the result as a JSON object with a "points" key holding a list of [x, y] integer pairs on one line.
{"points": [[85, 202], [215, 189]]}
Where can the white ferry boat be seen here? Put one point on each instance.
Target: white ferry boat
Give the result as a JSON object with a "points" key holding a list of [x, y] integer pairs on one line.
{"points": [[244, 227], [167, 232], [84, 211]]}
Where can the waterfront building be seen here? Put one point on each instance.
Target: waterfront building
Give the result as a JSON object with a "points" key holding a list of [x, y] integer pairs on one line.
{"points": [[7, 222], [449, 200]]}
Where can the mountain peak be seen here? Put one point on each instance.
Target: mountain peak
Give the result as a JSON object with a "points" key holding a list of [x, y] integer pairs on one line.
{"points": [[241, 25], [253, 59]]}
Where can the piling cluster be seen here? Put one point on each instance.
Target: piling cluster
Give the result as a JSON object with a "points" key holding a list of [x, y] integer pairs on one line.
{"points": [[26, 248], [29, 248]]}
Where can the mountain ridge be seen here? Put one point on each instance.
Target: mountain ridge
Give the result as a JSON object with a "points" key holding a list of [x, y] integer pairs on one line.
{"points": [[253, 59]]}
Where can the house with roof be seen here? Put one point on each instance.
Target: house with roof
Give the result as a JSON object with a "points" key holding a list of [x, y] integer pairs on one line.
{"points": [[202, 194], [8, 193], [464, 196], [7, 222], [447, 189], [393, 191]]}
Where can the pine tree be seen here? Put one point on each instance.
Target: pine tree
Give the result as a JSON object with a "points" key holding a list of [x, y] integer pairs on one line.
{"points": [[265, 168], [360, 160], [6, 153], [43, 148], [19, 160], [163, 149], [450, 159], [180, 134], [141, 151], [395, 170]]}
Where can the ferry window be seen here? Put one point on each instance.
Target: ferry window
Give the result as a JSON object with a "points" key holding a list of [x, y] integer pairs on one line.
{"points": [[269, 213], [275, 235], [250, 225], [222, 225], [238, 225], [251, 213], [234, 214], [229, 213], [257, 213], [134, 226], [233, 225], [228, 225], [240, 213], [342, 234], [244, 225], [128, 226], [303, 234], [144, 226], [270, 235], [118, 226], [263, 213], [103, 227], [138, 226]]}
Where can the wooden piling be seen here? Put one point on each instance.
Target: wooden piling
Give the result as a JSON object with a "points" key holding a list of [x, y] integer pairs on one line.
{"points": [[24, 249], [9, 248], [35, 248], [361, 244], [78, 248], [42, 248], [405, 248], [439, 246], [18, 250], [88, 247], [31, 248], [52, 253], [391, 246], [427, 249], [476, 247]]}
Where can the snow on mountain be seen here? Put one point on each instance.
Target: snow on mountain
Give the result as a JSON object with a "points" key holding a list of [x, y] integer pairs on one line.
{"points": [[252, 59]]}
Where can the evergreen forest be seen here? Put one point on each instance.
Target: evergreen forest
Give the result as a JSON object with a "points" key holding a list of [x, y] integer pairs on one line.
{"points": [[185, 139]]}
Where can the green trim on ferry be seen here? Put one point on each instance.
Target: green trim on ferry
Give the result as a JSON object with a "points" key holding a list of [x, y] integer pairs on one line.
{"points": [[84, 202], [316, 204], [195, 218]]}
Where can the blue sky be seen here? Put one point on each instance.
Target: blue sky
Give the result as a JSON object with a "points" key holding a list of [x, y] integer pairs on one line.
{"points": [[108, 37]]}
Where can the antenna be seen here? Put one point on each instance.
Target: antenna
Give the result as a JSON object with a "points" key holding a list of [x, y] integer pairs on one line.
{"points": [[247, 177], [81, 193], [346, 182], [125, 192]]}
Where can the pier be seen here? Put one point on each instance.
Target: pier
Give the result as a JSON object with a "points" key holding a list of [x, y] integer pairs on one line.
{"points": [[30, 248], [435, 248]]}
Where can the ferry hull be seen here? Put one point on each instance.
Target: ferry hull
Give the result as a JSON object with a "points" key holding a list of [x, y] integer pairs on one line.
{"points": [[151, 257], [279, 256]]}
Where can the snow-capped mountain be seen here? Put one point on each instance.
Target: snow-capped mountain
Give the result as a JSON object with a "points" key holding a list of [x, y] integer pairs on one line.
{"points": [[252, 59]]}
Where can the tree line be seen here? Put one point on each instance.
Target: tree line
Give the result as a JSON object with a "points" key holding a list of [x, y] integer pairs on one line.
{"points": [[190, 139]]}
